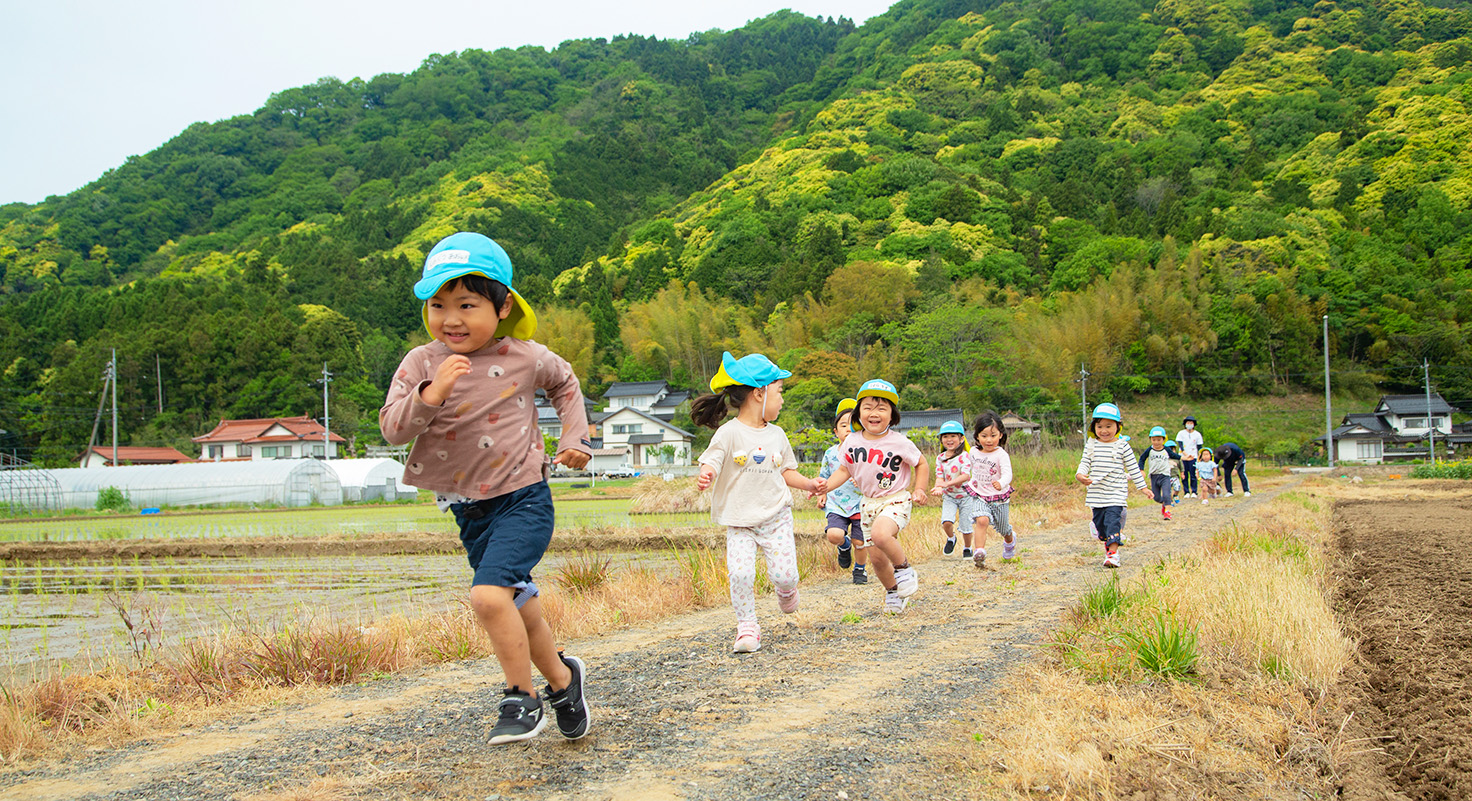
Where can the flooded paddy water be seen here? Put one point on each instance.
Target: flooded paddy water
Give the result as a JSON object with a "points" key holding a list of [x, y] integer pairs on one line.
{"points": [[59, 615]]}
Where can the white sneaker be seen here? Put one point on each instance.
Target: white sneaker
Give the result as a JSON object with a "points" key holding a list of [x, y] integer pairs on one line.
{"points": [[1228, 495], [1112, 559], [1203, 501], [894, 603], [1247, 495], [748, 638], [906, 582]]}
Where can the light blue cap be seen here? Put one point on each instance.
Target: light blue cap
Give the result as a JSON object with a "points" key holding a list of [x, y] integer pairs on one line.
{"points": [[752, 370], [1158, 432], [467, 253], [952, 427], [1170, 443], [1107, 411], [1124, 437]]}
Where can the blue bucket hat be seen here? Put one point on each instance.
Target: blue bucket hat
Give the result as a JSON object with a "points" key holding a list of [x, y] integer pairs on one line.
{"points": [[1124, 437], [751, 370], [466, 253], [1170, 443], [1106, 411], [952, 427]]}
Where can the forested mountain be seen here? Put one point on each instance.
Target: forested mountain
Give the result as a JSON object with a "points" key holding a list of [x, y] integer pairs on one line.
{"points": [[972, 199]]}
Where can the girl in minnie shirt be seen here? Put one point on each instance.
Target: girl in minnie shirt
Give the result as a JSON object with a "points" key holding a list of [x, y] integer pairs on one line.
{"points": [[881, 462]]}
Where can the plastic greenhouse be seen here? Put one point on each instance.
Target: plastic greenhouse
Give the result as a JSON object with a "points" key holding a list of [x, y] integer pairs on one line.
{"points": [[25, 488], [371, 479], [281, 482]]}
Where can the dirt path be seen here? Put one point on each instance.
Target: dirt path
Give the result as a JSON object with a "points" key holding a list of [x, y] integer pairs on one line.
{"points": [[868, 708]]}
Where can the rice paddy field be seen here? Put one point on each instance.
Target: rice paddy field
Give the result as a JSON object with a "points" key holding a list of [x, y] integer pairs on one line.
{"points": [[61, 615]]}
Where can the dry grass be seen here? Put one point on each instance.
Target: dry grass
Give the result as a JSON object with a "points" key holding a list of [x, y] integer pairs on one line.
{"points": [[1089, 722]]}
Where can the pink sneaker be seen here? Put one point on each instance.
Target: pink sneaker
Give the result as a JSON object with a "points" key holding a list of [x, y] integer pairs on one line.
{"points": [[787, 601], [748, 638]]}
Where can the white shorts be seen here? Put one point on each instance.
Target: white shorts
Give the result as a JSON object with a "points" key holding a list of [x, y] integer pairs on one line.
{"points": [[962, 512], [896, 507]]}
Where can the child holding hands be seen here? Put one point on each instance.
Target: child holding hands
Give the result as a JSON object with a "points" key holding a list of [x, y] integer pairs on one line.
{"points": [[1107, 467], [953, 483], [842, 505], [750, 465], [992, 477], [881, 463]]}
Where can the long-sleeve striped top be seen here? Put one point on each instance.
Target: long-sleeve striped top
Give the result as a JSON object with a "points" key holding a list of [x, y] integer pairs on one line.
{"points": [[1111, 466]]}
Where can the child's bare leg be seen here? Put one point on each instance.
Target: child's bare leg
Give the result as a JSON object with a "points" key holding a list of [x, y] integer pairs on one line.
{"points": [[887, 550], [543, 646], [834, 535], [861, 552], [966, 538], [980, 527], [498, 615]]}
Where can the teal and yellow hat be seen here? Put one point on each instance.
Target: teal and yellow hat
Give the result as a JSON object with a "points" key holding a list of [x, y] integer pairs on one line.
{"points": [[467, 253], [751, 370], [878, 388], [845, 405]]}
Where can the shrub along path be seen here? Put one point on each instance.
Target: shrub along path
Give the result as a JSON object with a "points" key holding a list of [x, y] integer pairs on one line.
{"points": [[841, 698]]}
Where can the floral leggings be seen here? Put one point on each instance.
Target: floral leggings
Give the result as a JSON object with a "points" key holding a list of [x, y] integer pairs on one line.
{"points": [[774, 537]]}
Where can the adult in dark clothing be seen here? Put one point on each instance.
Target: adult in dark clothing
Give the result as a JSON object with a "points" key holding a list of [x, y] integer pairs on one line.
{"points": [[1228, 457]]}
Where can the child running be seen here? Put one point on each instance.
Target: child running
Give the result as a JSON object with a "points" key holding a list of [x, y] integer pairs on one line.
{"points": [[881, 462], [992, 477], [1157, 463], [960, 502], [1107, 466], [842, 504], [750, 463], [465, 401], [1206, 472]]}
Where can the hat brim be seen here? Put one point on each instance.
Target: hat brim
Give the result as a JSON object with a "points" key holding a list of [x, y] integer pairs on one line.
{"points": [[520, 322]]}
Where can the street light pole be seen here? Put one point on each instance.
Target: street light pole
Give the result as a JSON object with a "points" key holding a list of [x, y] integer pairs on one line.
{"points": [[1430, 428], [1328, 403]]}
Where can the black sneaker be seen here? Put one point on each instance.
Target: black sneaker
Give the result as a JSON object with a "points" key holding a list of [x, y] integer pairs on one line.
{"points": [[520, 718], [965, 553], [860, 575], [845, 554], [569, 703], [950, 545]]}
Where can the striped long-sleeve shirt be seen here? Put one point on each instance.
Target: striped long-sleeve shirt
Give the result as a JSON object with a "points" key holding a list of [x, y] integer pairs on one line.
{"points": [[1111, 466]]}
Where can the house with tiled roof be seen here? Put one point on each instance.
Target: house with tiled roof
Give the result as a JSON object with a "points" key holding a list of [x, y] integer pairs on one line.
{"points": [[269, 438], [1398, 430], [101, 456]]}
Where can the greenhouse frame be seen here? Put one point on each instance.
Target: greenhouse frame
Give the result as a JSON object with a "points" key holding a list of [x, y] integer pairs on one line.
{"points": [[371, 480], [278, 482]]}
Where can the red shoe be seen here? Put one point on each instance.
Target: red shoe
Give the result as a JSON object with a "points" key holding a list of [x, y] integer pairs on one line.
{"points": [[1165, 512]]}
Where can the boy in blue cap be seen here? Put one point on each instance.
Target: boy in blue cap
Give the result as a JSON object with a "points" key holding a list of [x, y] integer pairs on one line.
{"points": [[465, 401], [1157, 463]]}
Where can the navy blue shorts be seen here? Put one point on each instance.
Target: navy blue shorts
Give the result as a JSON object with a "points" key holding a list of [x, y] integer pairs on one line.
{"points": [[1108, 522], [847, 524], [506, 536]]}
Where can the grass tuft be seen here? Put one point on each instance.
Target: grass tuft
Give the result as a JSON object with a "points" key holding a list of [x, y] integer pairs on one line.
{"points": [[1168, 648]]}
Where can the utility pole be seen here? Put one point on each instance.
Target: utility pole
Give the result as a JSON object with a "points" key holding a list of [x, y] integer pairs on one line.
{"points": [[326, 416], [1328, 404], [1083, 392], [113, 372], [1430, 428], [159, 373], [101, 400]]}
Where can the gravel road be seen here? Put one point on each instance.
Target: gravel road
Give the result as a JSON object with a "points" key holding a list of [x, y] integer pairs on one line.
{"points": [[841, 702]]}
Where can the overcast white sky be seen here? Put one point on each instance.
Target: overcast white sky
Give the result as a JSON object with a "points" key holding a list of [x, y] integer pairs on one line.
{"points": [[86, 83]]}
